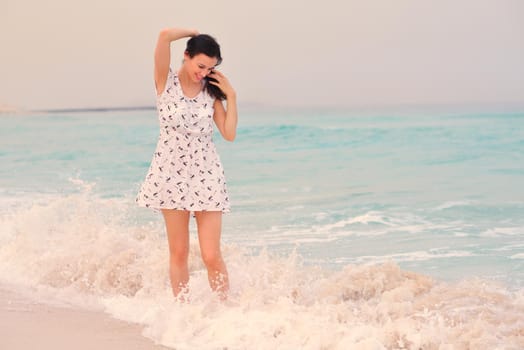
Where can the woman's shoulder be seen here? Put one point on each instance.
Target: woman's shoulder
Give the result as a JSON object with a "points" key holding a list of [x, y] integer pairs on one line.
{"points": [[171, 83]]}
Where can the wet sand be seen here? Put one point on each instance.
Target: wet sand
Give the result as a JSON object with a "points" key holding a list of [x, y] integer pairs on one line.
{"points": [[25, 324]]}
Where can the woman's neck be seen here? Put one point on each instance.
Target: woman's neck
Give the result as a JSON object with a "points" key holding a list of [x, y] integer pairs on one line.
{"points": [[189, 87]]}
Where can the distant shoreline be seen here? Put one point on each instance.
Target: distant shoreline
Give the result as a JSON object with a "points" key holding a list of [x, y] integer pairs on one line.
{"points": [[400, 109], [16, 111], [8, 109], [96, 109], [366, 109]]}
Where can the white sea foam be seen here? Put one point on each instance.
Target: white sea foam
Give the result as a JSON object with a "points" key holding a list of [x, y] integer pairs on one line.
{"points": [[414, 256], [84, 250], [367, 218], [368, 224], [503, 231], [452, 204]]}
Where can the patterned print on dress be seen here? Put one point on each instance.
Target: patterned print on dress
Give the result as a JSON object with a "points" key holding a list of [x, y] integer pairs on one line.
{"points": [[186, 172]]}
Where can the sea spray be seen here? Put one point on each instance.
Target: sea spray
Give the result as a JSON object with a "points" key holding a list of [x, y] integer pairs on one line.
{"points": [[98, 260]]}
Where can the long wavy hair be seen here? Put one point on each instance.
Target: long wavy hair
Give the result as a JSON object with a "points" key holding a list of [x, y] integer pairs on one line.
{"points": [[208, 46]]}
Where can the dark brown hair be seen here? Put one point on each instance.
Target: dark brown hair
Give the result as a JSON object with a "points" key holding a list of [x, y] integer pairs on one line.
{"points": [[207, 45]]}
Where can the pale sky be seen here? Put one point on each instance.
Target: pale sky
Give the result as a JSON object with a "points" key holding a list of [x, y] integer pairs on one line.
{"points": [[338, 53]]}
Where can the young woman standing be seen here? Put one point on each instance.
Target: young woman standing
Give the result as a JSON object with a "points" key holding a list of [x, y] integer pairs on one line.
{"points": [[186, 174]]}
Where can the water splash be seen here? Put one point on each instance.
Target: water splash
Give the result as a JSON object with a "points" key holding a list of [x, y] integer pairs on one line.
{"points": [[85, 250]]}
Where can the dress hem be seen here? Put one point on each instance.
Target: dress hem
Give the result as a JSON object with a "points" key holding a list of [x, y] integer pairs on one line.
{"points": [[224, 210]]}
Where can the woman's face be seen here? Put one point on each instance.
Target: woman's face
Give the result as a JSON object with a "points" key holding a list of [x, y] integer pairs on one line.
{"points": [[199, 66]]}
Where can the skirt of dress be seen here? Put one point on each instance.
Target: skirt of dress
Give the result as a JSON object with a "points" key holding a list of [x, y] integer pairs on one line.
{"points": [[185, 174]]}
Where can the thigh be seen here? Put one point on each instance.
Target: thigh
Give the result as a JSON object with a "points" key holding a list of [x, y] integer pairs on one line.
{"points": [[209, 230], [177, 227]]}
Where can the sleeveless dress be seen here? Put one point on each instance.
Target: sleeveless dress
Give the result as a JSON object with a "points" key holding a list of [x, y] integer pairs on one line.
{"points": [[186, 172]]}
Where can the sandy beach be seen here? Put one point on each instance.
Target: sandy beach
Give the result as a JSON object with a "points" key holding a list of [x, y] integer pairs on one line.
{"points": [[29, 325]]}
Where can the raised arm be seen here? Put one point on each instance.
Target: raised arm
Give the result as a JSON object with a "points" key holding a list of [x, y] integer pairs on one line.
{"points": [[163, 53]]}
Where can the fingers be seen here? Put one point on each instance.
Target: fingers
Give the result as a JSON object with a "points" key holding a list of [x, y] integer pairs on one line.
{"points": [[219, 77], [217, 72], [220, 80], [215, 78]]}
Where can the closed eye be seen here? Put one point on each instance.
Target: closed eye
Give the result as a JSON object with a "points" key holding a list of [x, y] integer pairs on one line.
{"points": [[201, 66]]}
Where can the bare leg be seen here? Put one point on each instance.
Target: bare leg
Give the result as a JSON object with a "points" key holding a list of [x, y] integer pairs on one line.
{"points": [[209, 229], [177, 227]]}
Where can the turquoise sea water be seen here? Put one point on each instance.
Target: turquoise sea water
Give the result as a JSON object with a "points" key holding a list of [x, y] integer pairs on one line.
{"points": [[441, 195]]}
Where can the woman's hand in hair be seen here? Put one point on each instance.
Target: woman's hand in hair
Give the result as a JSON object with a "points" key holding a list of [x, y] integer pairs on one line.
{"points": [[226, 119], [219, 79]]}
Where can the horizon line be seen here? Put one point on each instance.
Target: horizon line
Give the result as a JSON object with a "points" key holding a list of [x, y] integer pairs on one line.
{"points": [[513, 107]]}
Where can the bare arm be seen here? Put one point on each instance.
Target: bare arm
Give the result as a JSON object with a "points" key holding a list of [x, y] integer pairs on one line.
{"points": [[163, 53], [226, 118]]}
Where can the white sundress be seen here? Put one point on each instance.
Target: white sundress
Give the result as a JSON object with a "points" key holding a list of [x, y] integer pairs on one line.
{"points": [[186, 172]]}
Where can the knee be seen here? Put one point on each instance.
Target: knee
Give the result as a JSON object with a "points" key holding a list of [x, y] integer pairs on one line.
{"points": [[212, 259], [179, 256]]}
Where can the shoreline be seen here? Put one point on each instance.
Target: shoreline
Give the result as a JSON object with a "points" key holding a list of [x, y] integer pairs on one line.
{"points": [[27, 324]]}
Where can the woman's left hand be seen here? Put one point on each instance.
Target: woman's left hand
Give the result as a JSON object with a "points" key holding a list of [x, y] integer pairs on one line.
{"points": [[223, 83]]}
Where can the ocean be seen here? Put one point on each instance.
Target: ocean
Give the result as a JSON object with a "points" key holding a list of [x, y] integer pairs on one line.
{"points": [[348, 230]]}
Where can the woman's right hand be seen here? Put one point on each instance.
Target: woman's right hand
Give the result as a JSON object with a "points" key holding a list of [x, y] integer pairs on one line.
{"points": [[194, 32]]}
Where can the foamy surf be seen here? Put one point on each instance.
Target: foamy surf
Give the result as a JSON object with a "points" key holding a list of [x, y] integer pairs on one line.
{"points": [[85, 250]]}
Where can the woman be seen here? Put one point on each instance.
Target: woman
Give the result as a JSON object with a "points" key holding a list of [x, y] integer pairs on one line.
{"points": [[186, 174]]}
